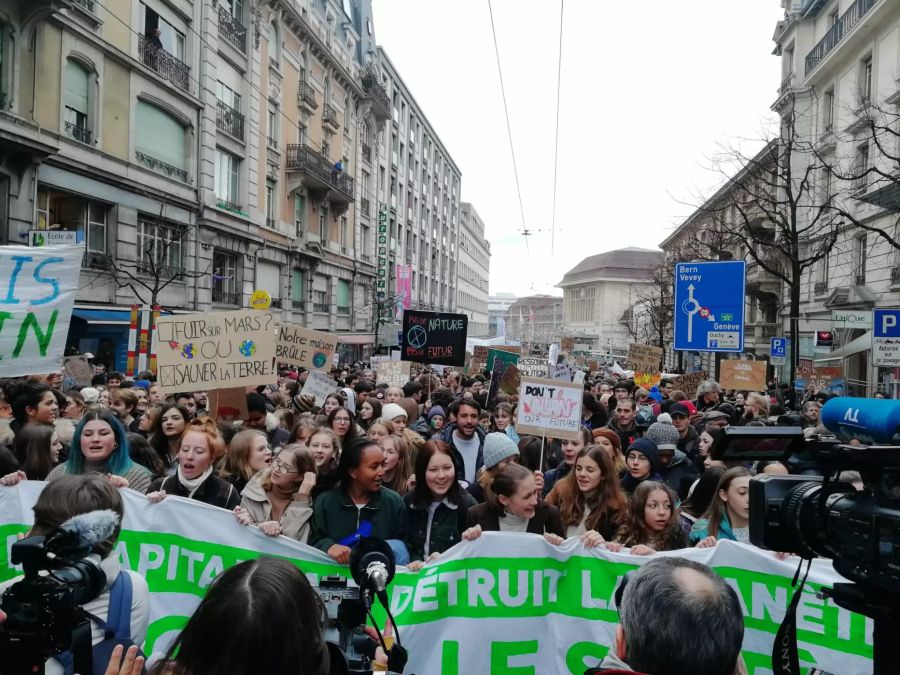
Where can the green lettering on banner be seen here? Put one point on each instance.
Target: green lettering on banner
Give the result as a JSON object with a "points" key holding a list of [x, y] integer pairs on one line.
{"points": [[575, 657], [502, 652], [43, 337], [450, 657]]}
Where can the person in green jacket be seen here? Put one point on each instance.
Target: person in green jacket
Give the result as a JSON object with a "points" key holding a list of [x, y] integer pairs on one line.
{"points": [[359, 506], [437, 506]]}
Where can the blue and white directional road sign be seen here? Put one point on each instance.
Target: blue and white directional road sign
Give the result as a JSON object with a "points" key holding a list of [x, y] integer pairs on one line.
{"points": [[709, 306], [886, 337]]}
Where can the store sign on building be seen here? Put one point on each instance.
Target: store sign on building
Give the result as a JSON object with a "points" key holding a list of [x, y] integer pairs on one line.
{"points": [[852, 319], [381, 283]]}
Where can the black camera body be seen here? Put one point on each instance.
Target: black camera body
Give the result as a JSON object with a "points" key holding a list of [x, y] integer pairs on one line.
{"points": [[43, 610], [345, 612]]}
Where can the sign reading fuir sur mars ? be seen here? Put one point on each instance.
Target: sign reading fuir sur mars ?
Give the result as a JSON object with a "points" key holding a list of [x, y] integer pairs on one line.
{"points": [[433, 337]]}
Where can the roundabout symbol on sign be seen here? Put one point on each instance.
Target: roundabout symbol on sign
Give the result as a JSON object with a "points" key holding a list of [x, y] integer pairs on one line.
{"points": [[417, 337]]}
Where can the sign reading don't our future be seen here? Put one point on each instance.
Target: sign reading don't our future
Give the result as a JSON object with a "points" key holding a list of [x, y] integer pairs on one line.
{"points": [[434, 338], [218, 350]]}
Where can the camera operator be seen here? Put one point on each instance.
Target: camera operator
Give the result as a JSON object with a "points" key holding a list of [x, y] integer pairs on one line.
{"points": [[71, 495], [676, 617]]}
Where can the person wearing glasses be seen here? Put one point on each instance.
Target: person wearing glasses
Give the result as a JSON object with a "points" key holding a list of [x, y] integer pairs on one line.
{"points": [[278, 499]]}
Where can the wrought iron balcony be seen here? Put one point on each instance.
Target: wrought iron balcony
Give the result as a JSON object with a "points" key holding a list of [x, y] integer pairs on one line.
{"points": [[297, 304], [320, 173], [223, 297], [163, 63], [86, 5], [161, 167], [78, 133], [229, 120], [322, 307], [330, 116], [232, 30], [367, 152], [374, 92], [343, 310], [306, 96], [838, 31]]}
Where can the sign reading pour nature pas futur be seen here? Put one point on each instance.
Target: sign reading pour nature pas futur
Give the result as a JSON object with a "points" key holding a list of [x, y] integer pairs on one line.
{"points": [[304, 347], [37, 292], [549, 408], [218, 350], [434, 338]]}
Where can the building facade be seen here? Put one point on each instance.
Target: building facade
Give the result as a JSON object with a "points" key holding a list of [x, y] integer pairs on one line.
{"points": [[602, 296], [204, 149], [535, 320], [498, 311], [473, 271]]}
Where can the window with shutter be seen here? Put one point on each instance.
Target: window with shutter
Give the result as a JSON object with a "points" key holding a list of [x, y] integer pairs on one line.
{"points": [[76, 101], [343, 296], [160, 140], [297, 289]]}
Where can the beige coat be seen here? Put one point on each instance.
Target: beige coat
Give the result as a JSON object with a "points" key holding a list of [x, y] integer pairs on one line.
{"points": [[295, 522]]}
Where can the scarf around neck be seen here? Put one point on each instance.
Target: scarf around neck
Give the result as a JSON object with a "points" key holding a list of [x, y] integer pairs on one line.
{"points": [[192, 484]]}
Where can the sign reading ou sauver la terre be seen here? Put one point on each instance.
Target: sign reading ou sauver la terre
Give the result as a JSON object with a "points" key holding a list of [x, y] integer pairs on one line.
{"points": [[434, 338], [197, 352], [37, 293], [304, 347], [549, 408]]}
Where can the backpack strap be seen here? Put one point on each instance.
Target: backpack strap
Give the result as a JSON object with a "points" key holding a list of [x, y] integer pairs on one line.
{"points": [[119, 616]]}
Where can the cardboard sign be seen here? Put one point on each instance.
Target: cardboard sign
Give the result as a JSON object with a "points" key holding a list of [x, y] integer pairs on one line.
{"points": [[644, 358], [561, 372], [304, 347], [76, 372], [375, 360], [509, 381], [319, 385], [593, 366], [432, 337], [228, 405], [480, 353], [531, 366], [742, 375], [37, 293], [218, 350], [567, 344], [689, 381], [395, 373], [504, 356], [549, 407]]}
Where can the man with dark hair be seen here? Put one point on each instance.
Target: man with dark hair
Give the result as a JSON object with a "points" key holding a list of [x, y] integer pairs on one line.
{"points": [[676, 617], [114, 380], [622, 389], [362, 390], [257, 412], [666, 385], [188, 401], [413, 390], [623, 422], [466, 438]]}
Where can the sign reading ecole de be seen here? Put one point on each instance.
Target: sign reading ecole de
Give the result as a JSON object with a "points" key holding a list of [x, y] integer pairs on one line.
{"points": [[709, 306], [886, 337]]}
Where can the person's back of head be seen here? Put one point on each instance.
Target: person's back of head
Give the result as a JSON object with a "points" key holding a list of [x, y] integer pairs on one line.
{"points": [[678, 617], [260, 616]]}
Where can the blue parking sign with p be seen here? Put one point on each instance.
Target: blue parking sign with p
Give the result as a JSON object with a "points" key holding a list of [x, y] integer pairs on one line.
{"points": [[778, 346], [886, 323]]}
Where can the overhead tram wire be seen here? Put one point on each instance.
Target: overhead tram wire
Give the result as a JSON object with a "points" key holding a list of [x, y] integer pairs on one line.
{"points": [[562, 5], [512, 150]]}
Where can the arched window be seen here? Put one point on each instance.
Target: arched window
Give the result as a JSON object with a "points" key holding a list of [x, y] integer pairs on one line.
{"points": [[274, 45]]}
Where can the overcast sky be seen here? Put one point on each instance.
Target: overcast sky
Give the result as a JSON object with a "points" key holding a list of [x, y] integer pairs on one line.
{"points": [[650, 91]]}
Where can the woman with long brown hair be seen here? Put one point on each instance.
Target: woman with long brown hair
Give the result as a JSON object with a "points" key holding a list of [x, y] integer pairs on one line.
{"points": [[590, 500], [653, 523]]}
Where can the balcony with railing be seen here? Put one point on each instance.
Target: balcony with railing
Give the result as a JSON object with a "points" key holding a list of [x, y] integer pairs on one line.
{"points": [[229, 120], [838, 32], [320, 173], [306, 96], [374, 92], [322, 307], [330, 116], [86, 5], [163, 63], [160, 166], [367, 152], [221, 296], [232, 30], [80, 134]]}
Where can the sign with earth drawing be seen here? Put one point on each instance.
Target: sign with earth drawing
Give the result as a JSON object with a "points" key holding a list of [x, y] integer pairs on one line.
{"points": [[434, 337]]}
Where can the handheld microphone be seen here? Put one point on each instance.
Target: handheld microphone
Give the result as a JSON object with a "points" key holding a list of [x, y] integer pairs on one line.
{"points": [[372, 566]]}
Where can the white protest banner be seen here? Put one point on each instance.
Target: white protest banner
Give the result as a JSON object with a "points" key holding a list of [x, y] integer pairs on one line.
{"points": [[578, 378], [561, 372], [500, 602], [530, 366], [395, 373], [319, 385], [37, 293], [218, 350], [549, 407], [304, 347]]}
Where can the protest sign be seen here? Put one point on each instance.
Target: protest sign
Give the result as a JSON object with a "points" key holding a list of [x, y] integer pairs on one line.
{"points": [[37, 293], [304, 347], [549, 407], [395, 373], [531, 366], [479, 353], [567, 344], [432, 337], [743, 375], [497, 367], [689, 381], [644, 358], [375, 360], [561, 372], [509, 381], [820, 378], [318, 385], [228, 405], [76, 372], [217, 350], [593, 366], [578, 377], [504, 356], [484, 606], [647, 380]]}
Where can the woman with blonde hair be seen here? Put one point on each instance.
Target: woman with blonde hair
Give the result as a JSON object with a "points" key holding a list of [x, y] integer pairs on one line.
{"points": [[201, 446], [379, 429], [397, 469], [248, 454], [278, 500]]}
